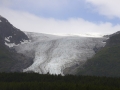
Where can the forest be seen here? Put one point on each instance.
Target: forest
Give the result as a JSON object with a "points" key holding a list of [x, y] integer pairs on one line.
{"points": [[34, 81]]}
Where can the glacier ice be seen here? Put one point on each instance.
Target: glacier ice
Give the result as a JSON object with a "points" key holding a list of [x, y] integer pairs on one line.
{"points": [[55, 53]]}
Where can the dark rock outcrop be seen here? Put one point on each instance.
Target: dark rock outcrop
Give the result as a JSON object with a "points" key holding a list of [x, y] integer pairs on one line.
{"points": [[114, 39], [8, 30]]}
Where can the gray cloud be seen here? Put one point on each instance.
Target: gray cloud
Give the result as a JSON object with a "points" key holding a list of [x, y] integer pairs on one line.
{"points": [[16, 11], [29, 22], [109, 8]]}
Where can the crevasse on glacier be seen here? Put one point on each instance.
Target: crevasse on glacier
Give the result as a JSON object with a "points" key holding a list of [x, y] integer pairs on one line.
{"points": [[54, 53]]}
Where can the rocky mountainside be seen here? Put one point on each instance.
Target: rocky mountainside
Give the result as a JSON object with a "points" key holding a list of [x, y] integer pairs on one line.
{"points": [[9, 33], [106, 62], [10, 61]]}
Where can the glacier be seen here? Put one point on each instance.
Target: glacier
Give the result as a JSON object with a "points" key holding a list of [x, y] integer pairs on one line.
{"points": [[52, 54]]}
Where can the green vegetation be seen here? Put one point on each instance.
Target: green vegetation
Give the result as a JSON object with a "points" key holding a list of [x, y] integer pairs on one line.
{"points": [[105, 63], [32, 81], [6, 60], [114, 39]]}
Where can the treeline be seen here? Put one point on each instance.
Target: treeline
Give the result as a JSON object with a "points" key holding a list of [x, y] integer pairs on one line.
{"points": [[33, 81]]}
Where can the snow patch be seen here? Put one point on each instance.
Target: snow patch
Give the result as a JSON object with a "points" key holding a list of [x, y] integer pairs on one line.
{"points": [[8, 38], [13, 44], [7, 42], [10, 44], [25, 41]]}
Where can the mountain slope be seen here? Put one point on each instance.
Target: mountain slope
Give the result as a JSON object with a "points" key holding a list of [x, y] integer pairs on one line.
{"points": [[114, 39], [106, 62], [11, 34], [5, 59], [10, 61]]}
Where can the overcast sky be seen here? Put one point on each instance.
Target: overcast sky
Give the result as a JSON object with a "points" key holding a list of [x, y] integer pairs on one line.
{"points": [[63, 16]]}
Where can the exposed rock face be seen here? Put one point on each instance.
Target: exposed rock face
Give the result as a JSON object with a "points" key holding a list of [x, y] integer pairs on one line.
{"points": [[9, 33], [10, 60], [114, 39]]}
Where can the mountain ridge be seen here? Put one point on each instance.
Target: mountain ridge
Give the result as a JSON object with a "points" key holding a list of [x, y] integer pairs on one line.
{"points": [[10, 33], [10, 60]]}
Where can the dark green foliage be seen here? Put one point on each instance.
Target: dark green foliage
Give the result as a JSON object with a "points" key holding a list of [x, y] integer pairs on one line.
{"points": [[32, 81], [6, 61], [105, 63], [113, 40]]}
